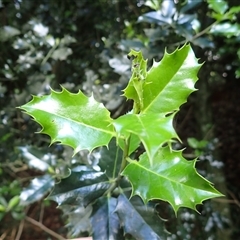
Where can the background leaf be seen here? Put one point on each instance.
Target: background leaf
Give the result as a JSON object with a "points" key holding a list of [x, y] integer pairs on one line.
{"points": [[72, 119], [132, 221], [105, 221], [34, 158], [78, 219], [150, 215], [82, 187], [170, 178], [37, 189]]}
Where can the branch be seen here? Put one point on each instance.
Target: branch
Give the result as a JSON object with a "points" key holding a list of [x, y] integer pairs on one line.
{"points": [[44, 228]]}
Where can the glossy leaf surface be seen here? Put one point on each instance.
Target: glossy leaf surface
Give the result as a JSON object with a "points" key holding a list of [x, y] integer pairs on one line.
{"points": [[152, 129], [170, 178], [78, 219], [150, 216], [37, 189], [105, 221], [34, 158], [169, 82], [72, 119], [110, 159], [132, 221], [82, 187]]}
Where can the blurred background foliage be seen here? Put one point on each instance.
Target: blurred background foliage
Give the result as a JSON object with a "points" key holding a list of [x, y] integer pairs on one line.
{"points": [[84, 45]]}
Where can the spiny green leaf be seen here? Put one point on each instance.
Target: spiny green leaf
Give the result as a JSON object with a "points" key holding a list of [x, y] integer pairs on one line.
{"points": [[82, 187], [169, 82], [170, 178], [152, 129], [72, 119]]}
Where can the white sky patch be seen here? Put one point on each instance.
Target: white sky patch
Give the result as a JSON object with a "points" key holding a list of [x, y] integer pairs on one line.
{"points": [[40, 29], [50, 40]]}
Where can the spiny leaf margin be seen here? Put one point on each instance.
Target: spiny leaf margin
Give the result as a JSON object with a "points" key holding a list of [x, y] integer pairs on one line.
{"points": [[72, 119], [170, 178], [169, 82]]}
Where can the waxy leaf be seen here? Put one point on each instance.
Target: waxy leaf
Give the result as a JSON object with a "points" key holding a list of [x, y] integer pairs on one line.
{"points": [[82, 187], [169, 82], [150, 216], [152, 129], [34, 158], [105, 221], [72, 119], [170, 178], [37, 189], [132, 221], [111, 159]]}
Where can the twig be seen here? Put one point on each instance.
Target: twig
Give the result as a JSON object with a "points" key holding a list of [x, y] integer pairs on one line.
{"points": [[84, 238], [3, 235], [44, 228], [41, 213], [234, 198], [20, 229], [13, 233]]}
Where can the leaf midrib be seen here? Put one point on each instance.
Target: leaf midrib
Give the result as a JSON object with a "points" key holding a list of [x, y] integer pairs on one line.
{"points": [[67, 119]]}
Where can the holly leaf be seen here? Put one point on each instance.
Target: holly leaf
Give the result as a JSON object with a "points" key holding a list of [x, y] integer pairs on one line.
{"points": [[110, 159], [150, 216], [132, 221], [152, 129], [169, 82], [72, 119], [79, 219], [82, 187], [37, 189], [170, 178], [105, 221]]}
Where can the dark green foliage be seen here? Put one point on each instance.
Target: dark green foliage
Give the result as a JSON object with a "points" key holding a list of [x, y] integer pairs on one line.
{"points": [[83, 39]]}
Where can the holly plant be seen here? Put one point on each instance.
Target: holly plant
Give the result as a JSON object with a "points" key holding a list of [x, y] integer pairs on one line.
{"points": [[118, 199]]}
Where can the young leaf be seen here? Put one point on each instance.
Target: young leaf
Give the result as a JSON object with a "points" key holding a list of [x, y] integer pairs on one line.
{"points": [[170, 178], [169, 82], [134, 89], [152, 129], [72, 119]]}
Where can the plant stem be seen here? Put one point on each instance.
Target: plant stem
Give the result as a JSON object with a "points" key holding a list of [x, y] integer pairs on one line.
{"points": [[125, 155]]}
